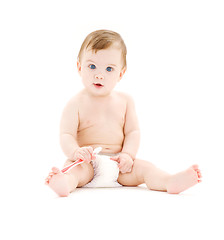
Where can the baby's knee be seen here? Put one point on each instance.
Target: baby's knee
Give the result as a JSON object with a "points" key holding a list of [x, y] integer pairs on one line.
{"points": [[85, 172], [141, 167], [138, 168]]}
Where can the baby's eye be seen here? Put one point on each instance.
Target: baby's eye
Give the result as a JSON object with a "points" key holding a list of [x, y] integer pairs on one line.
{"points": [[92, 66], [109, 69]]}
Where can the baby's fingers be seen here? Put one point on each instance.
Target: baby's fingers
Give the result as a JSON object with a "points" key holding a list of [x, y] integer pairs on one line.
{"points": [[90, 150], [115, 158], [91, 155], [87, 154], [80, 156], [126, 169], [122, 168]]}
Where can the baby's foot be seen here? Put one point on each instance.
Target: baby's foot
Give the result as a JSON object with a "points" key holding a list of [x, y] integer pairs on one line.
{"points": [[184, 180], [58, 182]]}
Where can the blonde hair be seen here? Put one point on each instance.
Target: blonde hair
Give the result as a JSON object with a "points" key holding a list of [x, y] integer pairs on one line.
{"points": [[103, 39]]}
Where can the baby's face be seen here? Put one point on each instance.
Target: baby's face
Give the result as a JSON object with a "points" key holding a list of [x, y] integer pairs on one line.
{"points": [[101, 71]]}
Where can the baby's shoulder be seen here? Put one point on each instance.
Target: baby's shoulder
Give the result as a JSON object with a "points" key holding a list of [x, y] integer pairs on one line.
{"points": [[125, 96], [74, 101]]}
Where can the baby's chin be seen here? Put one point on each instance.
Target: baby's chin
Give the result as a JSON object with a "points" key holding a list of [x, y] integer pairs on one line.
{"points": [[100, 92]]}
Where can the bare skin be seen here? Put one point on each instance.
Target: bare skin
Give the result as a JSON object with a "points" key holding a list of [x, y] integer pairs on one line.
{"points": [[64, 184], [155, 179], [99, 116]]}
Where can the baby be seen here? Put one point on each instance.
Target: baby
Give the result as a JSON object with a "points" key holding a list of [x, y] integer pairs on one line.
{"points": [[100, 117]]}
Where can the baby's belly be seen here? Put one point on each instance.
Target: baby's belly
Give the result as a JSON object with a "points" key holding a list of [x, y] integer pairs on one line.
{"points": [[111, 140]]}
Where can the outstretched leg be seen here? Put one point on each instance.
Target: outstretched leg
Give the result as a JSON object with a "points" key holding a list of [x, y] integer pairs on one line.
{"points": [[156, 179], [63, 184]]}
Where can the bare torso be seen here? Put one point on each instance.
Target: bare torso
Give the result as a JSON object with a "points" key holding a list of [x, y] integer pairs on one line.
{"points": [[101, 121]]}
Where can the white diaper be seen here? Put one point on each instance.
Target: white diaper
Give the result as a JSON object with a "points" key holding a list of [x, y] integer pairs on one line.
{"points": [[106, 172]]}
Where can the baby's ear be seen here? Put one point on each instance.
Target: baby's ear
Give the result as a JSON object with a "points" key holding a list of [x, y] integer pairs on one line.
{"points": [[122, 72], [78, 66]]}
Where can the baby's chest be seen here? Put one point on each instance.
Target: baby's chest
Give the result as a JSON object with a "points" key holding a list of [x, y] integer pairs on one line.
{"points": [[106, 116]]}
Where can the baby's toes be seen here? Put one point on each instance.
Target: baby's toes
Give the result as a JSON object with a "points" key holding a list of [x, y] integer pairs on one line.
{"points": [[195, 167], [198, 171], [47, 180], [199, 175], [55, 170]]}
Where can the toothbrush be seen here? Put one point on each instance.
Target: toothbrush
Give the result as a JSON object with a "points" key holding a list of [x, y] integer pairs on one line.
{"points": [[76, 163]]}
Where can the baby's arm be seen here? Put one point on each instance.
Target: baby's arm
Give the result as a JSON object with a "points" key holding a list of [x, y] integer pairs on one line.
{"points": [[131, 130], [68, 129]]}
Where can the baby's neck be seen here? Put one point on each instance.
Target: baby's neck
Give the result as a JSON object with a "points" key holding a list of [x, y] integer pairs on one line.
{"points": [[99, 98]]}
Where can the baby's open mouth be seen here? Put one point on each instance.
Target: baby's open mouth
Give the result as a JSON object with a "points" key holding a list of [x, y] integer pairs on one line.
{"points": [[98, 85]]}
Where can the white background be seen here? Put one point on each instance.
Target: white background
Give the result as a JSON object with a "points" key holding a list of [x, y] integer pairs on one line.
{"points": [[175, 75]]}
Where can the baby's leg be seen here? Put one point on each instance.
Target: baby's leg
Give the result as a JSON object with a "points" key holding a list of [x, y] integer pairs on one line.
{"points": [[63, 184], [156, 179]]}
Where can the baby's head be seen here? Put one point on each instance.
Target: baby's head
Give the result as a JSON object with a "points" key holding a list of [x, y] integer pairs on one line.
{"points": [[102, 61], [103, 39]]}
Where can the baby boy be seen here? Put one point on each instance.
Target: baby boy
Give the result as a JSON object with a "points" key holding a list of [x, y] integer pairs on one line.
{"points": [[99, 116]]}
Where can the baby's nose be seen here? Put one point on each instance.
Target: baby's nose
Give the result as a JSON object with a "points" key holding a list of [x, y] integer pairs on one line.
{"points": [[99, 76]]}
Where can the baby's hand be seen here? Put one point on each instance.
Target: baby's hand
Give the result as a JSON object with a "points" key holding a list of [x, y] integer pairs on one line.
{"points": [[85, 154], [125, 162]]}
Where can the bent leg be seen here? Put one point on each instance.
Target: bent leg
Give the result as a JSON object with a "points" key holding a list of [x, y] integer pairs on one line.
{"points": [[63, 184]]}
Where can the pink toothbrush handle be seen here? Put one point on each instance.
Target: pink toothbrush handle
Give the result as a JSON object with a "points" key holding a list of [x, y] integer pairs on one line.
{"points": [[67, 168]]}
